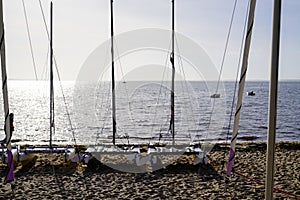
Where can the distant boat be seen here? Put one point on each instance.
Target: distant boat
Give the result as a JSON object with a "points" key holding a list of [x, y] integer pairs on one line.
{"points": [[215, 96], [251, 93]]}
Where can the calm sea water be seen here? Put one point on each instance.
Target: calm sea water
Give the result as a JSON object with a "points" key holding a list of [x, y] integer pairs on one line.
{"points": [[143, 112]]}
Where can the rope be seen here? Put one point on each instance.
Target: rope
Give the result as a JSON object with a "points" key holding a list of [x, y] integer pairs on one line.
{"points": [[29, 38], [262, 183]]}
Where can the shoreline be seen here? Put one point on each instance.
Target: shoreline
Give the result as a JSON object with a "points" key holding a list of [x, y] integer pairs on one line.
{"points": [[50, 177], [18, 142]]}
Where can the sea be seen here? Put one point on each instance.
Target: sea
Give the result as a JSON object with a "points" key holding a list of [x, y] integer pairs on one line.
{"points": [[83, 112]]}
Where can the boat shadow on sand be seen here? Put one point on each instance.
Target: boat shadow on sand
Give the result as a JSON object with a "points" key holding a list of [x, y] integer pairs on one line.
{"points": [[44, 164], [67, 176], [179, 167], [55, 164]]}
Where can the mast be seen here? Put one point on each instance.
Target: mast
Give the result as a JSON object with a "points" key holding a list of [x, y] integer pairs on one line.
{"points": [[113, 74], [273, 100], [172, 123], [4, 81], [51, 77], [8, 126], [241, 86]]}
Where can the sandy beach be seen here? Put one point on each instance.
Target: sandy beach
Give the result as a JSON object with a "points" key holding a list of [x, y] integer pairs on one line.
{"points": [[49, 177]]}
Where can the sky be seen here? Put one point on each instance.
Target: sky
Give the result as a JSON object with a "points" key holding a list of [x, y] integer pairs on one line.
{"points": [[80, 26]]}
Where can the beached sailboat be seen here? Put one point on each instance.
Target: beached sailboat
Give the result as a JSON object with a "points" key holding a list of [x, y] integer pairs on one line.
{"points": [[143, 152], [113, 89], [51, 147]]}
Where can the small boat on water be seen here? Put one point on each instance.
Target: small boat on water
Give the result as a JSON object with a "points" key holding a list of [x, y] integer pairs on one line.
{"points": [[251, 93], [215, 96]]}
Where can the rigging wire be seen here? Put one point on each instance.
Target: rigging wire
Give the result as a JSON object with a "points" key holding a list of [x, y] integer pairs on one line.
{"points": [[125, 86], [45, 69], [159, 98], [222, 64], [59, 78], [66, 105], [236, 79], [30, 42], [226, 45], [160, 93], [44, 18], [180, 64], [105, 118], [106, 111], [107, 91], [31, 47], [119, 60], [105, 101]]}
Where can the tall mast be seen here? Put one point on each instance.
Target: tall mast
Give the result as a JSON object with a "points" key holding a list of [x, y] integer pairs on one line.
{"points": [[172, 125], [8, 130], [4, 81], [241, 86], [273, 100], [113, 74], [51, 77]]}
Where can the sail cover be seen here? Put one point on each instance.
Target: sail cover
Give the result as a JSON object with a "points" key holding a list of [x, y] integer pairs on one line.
{"points": [[10, 174], [241, 86]]}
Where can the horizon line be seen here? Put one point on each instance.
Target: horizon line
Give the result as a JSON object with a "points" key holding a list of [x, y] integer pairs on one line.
{"points": [[192, 80]]}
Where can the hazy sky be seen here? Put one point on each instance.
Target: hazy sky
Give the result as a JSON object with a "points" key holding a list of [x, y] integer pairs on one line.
{"points": [[80, 26]]}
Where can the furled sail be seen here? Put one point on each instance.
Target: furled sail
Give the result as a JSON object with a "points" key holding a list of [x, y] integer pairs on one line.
{"points": [[7, 116], [241, 86]]}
